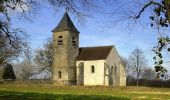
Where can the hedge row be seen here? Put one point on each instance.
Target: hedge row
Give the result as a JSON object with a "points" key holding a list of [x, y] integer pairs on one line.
{"points": [[150, 83]]}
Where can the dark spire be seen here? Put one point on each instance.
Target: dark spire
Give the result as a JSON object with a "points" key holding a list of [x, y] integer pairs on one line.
{"points": [[65, 24]]}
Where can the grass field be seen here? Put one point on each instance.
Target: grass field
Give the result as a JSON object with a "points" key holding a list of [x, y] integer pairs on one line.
{"points": [[49, 92]]}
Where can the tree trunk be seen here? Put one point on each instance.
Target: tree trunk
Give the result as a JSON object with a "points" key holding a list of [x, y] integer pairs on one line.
{"points": [[137, 79]]}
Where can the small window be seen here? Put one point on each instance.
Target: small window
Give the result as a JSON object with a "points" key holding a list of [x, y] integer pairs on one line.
{"points": [[92, 69], [60, 40], [59, 75], [73, 40]]}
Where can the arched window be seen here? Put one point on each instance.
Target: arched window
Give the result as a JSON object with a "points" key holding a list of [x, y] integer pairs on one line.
{"points": [[115, 69], [59, 74], [92, 69], [73, 41], [111, 70], [60, 40]]}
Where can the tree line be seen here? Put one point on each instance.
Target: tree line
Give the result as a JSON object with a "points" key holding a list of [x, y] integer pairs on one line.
{"points": [[38, 64], [137, 68]]}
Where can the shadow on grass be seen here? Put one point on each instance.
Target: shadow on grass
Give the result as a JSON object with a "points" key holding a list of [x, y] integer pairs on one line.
{"points": [[11, 95]]}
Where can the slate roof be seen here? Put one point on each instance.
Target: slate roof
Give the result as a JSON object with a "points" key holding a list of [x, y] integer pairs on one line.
{"points": [[94, 53], [65, 24]]}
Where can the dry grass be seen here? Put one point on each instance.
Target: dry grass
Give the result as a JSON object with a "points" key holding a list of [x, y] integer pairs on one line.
{"points": [[95, 92]]}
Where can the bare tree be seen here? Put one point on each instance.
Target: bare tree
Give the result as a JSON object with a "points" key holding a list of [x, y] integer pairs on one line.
{"points": [[25, 67], [137, 62], [13, 40], [148, 74], [44, 58], [7, 51], [128, 68]]}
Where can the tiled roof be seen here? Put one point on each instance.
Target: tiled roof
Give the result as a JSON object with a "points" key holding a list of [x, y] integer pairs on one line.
{"points": [[65, 24], [94, 53]]}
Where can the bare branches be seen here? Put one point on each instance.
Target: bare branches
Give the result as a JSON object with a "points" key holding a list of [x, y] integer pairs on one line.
{"points": [[79, 8], [27, 8], [13, 42], [14, 38], [146, 6], [142, 10], [44, 58], [138, 62]]}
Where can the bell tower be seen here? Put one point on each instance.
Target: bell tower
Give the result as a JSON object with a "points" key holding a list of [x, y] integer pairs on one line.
{"points": [[66, 49]]}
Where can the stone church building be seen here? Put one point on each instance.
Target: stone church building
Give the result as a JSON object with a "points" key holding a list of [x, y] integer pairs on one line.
{"points": [[74, 65]]}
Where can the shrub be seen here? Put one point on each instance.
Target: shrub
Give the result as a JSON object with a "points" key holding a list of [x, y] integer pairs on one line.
{"points": [[8, 72]]}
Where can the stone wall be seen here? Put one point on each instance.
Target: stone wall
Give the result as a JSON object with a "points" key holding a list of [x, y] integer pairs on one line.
{"points": [[119, 76]]}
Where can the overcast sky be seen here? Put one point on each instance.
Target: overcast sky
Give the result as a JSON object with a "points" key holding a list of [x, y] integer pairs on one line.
{"points": [[93, 32]]}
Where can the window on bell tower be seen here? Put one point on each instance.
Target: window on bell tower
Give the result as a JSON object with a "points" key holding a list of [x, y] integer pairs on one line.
{"points": [[73, 41], [59, 75], [60, 40]]}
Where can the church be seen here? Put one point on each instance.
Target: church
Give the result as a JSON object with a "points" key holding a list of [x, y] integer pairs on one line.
{"points": [[74, 65]]}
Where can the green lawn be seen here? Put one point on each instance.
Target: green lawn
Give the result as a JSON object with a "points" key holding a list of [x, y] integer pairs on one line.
{"points": [[49, 92]]}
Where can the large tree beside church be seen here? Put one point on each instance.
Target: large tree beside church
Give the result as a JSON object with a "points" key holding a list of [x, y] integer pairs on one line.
{"points": [[14, 37], [44, 58]]}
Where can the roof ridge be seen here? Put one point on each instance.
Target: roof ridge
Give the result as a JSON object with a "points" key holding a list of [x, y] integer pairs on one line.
{"points": [[99, 46]]}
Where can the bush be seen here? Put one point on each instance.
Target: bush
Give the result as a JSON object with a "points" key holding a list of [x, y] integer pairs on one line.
{"points": [[8, 72]]}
